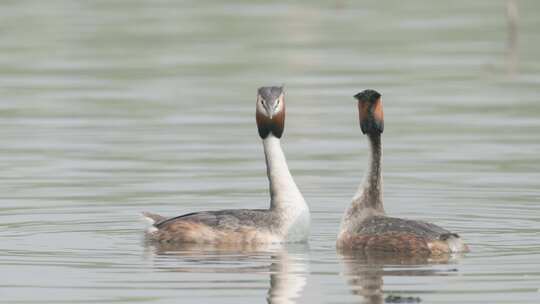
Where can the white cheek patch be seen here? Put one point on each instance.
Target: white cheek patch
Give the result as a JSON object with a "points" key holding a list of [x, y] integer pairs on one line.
{"points": [[260, 108], [279, 106]]}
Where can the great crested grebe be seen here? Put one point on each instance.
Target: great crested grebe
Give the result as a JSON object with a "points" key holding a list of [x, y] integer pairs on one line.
{"points": [[287, 220], [365, 226]]}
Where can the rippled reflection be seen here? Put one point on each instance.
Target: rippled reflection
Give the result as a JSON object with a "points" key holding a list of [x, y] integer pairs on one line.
{"points": [[286, 266], [365, 274]]}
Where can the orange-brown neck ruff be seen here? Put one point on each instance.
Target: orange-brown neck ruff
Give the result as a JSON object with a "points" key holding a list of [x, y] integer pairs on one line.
{"points": [[371, 116], [370, 111], [274, 125]]}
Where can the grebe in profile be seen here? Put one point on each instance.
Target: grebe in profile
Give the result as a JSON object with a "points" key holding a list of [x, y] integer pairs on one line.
{"points": [[287, 220], [365, 226]]}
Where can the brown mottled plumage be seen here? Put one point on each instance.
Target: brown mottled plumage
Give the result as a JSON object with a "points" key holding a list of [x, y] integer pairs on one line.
{"points": [[398, 236], [219, 227]]}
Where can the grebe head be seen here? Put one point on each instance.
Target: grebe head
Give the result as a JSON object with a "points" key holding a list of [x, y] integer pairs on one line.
{"points": [[270, 113], [370, 112]]}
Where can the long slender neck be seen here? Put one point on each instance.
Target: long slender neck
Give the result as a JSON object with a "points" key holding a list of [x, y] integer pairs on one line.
{"points": [[368, 200], [284, 193], [371, 189]]}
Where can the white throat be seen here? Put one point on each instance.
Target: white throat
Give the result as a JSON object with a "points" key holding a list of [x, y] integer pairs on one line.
{"points": [[285, 198]]}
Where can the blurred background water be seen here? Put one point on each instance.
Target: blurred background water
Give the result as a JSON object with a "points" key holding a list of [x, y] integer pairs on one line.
{"points": [[109, 108]]}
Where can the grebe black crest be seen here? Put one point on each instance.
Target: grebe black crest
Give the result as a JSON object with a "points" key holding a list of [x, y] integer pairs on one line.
{"points": [[365, 226], [287, 219]]}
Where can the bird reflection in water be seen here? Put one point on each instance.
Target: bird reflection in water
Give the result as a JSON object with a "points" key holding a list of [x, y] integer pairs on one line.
{"points": [[285, 265], [365, 273]]}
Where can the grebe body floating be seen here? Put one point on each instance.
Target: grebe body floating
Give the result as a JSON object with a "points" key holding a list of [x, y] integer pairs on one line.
{"points": [[287, 219], [365, 228]]}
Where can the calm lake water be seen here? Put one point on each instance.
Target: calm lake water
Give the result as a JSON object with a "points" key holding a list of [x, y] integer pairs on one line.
{"points": [[112, 108]]}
